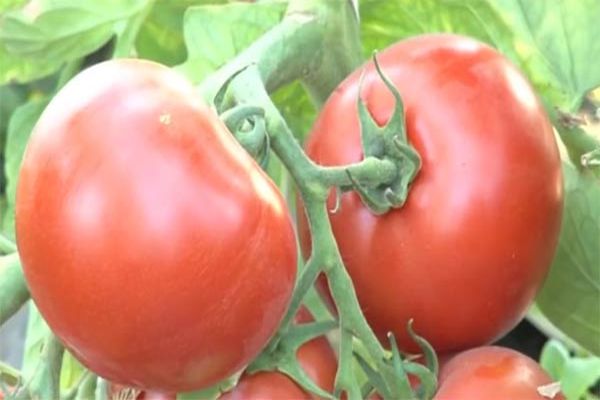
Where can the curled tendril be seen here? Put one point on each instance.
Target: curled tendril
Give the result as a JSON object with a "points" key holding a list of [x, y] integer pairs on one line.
{"points": [[247, 124]]}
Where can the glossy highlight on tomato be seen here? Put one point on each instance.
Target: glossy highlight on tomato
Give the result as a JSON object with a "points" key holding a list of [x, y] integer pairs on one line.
{"points": [[466, 254], [317, 359], [156, 249], [492, 373]]}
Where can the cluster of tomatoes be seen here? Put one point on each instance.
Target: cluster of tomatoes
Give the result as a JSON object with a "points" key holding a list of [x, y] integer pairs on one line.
{"points": [[164, 258]]}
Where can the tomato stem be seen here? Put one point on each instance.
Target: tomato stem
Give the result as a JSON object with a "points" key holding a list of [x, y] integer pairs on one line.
{"points": [[314, 183], [317, 42], [13, 290], [45, 382]]}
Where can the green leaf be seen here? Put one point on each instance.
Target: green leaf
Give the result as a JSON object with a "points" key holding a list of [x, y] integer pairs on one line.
{"points": [[555, 42], [552, 41], [161, 36], [18, 69], [19, 128], [577, 375], [296, 107], [210, 39], [384, 23], [553, 358], [6, 5], [61, 31], [570, 297]]}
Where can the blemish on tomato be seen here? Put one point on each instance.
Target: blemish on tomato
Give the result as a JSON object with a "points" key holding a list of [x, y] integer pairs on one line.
{"points": [[165, 119]]}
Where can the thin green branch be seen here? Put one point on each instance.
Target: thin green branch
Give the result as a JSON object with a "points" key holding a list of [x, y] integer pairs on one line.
{"points": [[13, 289]]}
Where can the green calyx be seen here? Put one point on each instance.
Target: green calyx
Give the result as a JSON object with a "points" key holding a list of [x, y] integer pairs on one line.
{"points": [[388, 142]]}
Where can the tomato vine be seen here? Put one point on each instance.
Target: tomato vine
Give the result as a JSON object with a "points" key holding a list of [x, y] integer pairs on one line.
{"points": [[317, 43]]}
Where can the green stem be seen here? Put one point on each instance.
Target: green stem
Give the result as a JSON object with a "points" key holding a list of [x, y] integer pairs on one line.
{"points": [[101, 392], [317, 42], [345, 379], [7, 245], [45, 383], [577, 141], [13, 289], [314, 184], [81, 383], [370, 171]]}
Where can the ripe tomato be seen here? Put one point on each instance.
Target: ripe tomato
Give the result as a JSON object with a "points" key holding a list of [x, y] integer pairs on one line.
{"points": [[154, 246], [316, 358], [467, 253], [492, 373]]}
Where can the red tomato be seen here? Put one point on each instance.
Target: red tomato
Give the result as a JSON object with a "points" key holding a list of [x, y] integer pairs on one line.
{"points": [[316, 358], [154, 246], [492, 373], [467, 253]]}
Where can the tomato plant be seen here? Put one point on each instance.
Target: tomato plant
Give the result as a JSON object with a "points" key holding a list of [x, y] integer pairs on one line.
{"points": [[135, 200], [480, 226], [149, 152], [494, 373]]}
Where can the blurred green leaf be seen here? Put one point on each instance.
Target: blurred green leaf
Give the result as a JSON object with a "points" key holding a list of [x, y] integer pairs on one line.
{"points": [[19, 128], [553, 358], [6, 5], [554, 42], [37, 330], [71, 371], [19, 69], [570, 297], [161, 36], [36, 43], [210, 39], [575, 374], [297, 109]]}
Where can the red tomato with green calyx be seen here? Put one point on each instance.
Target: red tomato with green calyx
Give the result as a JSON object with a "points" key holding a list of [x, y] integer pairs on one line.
{"points": [[493, 373], [466, 254], [156, 249]]}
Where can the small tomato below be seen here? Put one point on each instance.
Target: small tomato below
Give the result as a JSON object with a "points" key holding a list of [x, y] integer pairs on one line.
{"points": [[492, 373]]}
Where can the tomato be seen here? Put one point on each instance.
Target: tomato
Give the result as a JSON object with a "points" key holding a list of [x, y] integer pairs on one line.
{"points": [[156, 249], [470, 248], [316, 358], [492, 373]]}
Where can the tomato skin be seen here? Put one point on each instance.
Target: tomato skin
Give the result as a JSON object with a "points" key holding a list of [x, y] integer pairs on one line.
{"points": [[154, 246], [316, 358], [467, 253], [492, 373]]}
